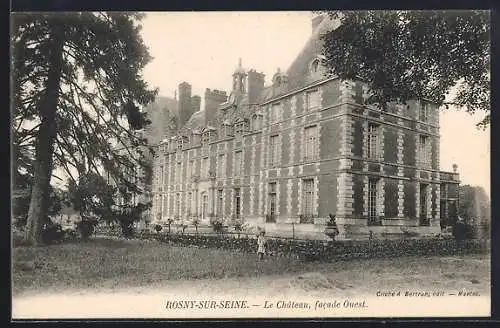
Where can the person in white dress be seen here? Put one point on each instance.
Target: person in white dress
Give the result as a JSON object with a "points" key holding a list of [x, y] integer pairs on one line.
{"points": [[261, 243]]}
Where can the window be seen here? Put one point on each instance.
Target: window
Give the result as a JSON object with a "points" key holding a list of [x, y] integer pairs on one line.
{"points": [[423, 112], [238, 129], [423, 152], [237, 202], [193, 167], [177, 204], [221, 166], [189, 202], [228, 130], [315, 66], [257, 122], [237, 163], [443, 191], [271, 216], [274, 150], [205, 138], [189, 172], [373, 141], [161, 179], [310, 142], [307, 200], [274, 113], [205, 167], [312, 100], [372, 202], [424, 220], [179, 143], [220, 199], [179, 172]]}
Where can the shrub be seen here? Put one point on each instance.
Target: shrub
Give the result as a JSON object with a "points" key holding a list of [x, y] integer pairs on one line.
{"points": [[218, 225], [52, 233], [158, 228], [86, 227]]}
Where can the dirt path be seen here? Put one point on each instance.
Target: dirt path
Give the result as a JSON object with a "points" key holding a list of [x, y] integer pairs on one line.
{"points": [[313, 294]]}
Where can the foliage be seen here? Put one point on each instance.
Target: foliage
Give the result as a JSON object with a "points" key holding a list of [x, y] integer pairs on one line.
{"points": [[92, 195], [77, 98], [52, 233], [474, 203], [158, 228], [86, 227], [404, 55]]}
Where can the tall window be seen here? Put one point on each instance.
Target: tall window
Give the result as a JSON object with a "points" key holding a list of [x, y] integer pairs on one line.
{"points": [[179, 172], [274, 150], [310, 142], [372, 202], [308, 198], [193, 167], [220, 199], [161, 179], [274, 113], [189, 202], [178, 204], [271, 217], [423, 150], [423, 205], [373, 141], [221, 165], [237, 202], [423, 112], [312, 99], [205, 167], [189, 172], [238, 163]]}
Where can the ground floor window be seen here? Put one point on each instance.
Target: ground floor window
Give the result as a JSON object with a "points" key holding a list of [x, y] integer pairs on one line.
{"points": [[307, 201], [373, 217], [272, 197], [424, 220], [237, 202]]}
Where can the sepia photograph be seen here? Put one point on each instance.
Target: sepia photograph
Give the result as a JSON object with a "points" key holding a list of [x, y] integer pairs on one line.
{"points": [[250, 164]]}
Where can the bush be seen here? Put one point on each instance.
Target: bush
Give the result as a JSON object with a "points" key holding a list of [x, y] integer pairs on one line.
{"points": [[52, 233], [158, 228], [86, 227]]}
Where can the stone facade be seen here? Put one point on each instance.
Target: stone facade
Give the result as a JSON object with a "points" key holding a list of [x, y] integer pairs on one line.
{"points": [[284, 157]]}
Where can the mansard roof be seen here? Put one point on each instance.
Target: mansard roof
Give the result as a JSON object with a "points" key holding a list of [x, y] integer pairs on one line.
{"points": [[298, 72]]}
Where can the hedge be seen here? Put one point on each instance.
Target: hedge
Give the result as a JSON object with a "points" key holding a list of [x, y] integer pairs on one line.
{"points": [[321, 250]]}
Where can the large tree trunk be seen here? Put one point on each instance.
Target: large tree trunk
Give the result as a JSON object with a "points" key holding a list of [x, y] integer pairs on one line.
{"points": [[45, 140]]}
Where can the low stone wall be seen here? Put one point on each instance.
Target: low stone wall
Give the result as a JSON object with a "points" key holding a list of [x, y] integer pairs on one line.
{"points": [[326, 251]]}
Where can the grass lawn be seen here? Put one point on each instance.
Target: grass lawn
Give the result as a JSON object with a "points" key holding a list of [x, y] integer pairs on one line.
{"points": [[107, 263]]}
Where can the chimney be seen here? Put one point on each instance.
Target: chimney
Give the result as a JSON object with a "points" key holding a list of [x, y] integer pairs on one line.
{"points": [[255, 85], [316, 20], [185, 109], [213, 98]]}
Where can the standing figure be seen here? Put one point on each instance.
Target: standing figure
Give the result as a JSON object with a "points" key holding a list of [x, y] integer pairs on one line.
{"points": [[261, 243]]}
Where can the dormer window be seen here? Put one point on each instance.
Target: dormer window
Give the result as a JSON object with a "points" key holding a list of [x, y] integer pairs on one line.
{"points": [[315, 66], [257, 122], [228, 130], [179, 143], [205, 138]]}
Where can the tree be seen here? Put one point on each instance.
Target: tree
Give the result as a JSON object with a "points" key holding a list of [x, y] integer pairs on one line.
{"points": [[77, 97], [92, 195], [405, 55], [474, 203]]}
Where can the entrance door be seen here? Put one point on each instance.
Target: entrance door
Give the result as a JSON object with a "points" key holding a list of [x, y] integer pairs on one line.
{"points": [[204, 206]]}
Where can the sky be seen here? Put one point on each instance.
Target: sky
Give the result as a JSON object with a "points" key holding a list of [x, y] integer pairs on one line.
{"points": [[203, 49]]}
